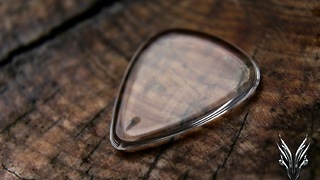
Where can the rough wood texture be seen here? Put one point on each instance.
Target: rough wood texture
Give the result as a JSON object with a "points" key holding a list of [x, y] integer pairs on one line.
{"points": [[56, 98], [27, 24]]}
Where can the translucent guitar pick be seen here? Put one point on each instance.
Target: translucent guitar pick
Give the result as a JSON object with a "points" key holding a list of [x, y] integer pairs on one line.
{"points": [[176, 81]]}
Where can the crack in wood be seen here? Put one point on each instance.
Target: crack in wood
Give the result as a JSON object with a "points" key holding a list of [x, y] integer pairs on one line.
{"points": [[19, 118], [214, 176], [26, 113], [70, 23], [90, 122], [52, 125], [86, 158], [54, 158], [51, 96], [87, 173], [14, 173], [185, 175], [93, 119], [156, 159], [215, 173]]}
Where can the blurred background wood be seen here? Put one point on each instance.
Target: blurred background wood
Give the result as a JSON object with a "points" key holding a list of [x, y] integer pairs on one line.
{"points": [[62, 62]]}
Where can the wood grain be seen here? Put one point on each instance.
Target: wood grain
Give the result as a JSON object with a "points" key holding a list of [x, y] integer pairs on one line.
{"points": [[56, 99], [27, 24]]}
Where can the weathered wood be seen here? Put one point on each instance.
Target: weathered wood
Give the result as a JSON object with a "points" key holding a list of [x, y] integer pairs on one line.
{"points": [[27, 24], [56, 100]]}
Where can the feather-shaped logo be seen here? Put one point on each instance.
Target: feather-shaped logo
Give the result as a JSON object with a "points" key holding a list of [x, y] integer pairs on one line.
{"points": [[293, 166]]}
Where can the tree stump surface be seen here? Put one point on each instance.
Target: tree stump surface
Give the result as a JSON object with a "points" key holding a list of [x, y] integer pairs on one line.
{"points": [[61, 64]]}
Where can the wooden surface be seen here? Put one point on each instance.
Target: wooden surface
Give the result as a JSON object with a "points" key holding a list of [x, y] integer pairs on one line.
{"points": [[61, 68]]}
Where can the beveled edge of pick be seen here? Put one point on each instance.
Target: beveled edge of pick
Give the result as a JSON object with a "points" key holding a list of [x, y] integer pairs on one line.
{"points": [[122, 145]]}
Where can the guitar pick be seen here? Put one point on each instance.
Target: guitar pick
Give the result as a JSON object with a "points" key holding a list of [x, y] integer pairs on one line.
{"points": [[178, 80]]}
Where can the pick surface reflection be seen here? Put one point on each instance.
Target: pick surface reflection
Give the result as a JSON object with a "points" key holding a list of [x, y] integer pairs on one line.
{"points": [[179, 80]]}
